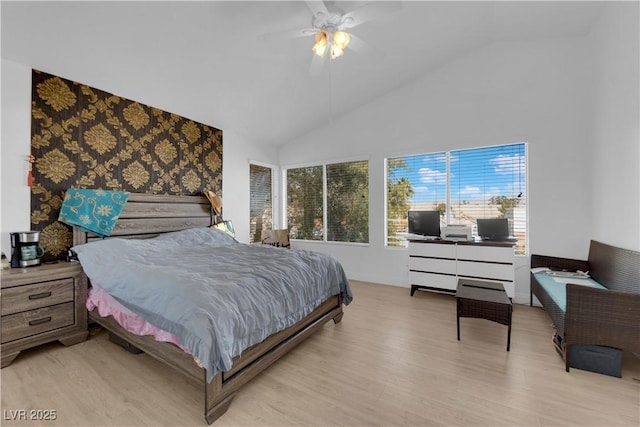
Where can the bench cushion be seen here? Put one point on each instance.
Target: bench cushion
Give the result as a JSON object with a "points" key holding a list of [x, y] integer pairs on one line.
{"points": [[555, 287]]}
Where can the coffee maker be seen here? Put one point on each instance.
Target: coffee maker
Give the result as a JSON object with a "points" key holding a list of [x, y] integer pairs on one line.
{"points": [[25, 249]]}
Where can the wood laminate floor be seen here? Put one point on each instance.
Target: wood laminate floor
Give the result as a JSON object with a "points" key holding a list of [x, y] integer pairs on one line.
{"points": [[393, 361]]}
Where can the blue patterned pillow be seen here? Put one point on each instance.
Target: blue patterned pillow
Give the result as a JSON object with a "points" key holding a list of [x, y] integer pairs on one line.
{"points": [[93, 210]]}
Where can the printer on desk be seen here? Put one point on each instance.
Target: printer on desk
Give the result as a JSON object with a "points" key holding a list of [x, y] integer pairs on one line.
{"points": [[457, 232]]}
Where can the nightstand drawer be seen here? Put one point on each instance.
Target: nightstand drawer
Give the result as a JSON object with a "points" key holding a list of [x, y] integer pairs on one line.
{"points": [[30, 297], [20, 325]]}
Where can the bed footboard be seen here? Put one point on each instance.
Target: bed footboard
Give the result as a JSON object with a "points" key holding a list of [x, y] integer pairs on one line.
{"points": [[165, 352], [219, 393]]}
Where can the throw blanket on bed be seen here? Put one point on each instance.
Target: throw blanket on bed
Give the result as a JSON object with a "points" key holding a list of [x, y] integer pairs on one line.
{"points": [[217, 295], [93, 210]]}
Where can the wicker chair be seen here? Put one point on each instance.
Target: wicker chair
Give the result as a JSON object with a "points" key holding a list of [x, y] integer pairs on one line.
{"points": [[279, 238]]}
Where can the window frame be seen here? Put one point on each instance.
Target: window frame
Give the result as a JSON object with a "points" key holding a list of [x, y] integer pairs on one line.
{"points": [[323, 164], [448, 192]]}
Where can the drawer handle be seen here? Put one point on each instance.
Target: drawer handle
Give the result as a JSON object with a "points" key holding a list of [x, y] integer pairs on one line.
{"points": [[39, 296], [40, 321]]}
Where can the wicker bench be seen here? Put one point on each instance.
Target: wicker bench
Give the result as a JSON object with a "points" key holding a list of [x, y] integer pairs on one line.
{"points": [[595, 317]]}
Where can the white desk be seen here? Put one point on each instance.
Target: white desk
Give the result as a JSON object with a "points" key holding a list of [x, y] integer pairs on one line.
{"points": [[438, 264]]}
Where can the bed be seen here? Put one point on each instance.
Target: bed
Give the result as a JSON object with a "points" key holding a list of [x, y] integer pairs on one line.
{"points": [[167, 218]]}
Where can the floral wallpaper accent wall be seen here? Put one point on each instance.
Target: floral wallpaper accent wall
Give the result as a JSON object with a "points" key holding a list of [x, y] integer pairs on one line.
{"points": [[86, 138]]}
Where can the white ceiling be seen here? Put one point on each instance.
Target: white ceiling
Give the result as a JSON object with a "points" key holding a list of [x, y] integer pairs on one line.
{"points": [[210, 61]]}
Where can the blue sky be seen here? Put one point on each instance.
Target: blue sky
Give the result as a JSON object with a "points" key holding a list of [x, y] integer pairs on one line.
{"points": [[476, 174]]}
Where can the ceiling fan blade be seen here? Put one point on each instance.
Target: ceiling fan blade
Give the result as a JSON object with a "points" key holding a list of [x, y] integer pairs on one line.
{"points": [[317, 7], [286, 34], [363, 48], [370, 11]]}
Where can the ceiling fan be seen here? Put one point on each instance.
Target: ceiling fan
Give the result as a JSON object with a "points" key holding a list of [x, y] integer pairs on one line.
{"points": [[332, 27]]}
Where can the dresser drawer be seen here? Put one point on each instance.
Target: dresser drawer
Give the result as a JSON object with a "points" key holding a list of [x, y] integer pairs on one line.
{"points": [[486, 253], [434, 250], [486, 270], [438, 281], [43, 294], [33, 322], [432, 265]]}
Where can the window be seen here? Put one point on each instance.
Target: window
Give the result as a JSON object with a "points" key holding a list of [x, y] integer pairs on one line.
{"points": [[413, 183], [260, 204], [305, 205], [329, 202], [463, 185]]}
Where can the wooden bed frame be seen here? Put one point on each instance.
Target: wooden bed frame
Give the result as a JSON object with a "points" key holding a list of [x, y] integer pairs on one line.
{"points": [[146, 216]]}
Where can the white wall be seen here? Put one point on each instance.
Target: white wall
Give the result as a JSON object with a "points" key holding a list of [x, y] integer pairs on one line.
{"points": [[237, 153], [15, 146], [615, 179], [535, 92]]}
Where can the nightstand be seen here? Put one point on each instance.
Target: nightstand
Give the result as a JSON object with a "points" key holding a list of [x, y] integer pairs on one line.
{"points": [[42, 304]]}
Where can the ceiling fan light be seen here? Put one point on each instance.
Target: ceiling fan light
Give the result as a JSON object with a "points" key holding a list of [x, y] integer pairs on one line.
{"points": [[336, 51], [322, 37], [341, 38], [319, 48]]}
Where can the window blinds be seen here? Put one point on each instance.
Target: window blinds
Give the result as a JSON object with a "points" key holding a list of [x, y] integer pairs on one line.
{"points": [[487, 182], [260, 204], [329, 202]]}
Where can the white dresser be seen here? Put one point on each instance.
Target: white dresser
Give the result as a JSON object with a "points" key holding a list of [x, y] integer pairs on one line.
{"points": [[437, 264]]}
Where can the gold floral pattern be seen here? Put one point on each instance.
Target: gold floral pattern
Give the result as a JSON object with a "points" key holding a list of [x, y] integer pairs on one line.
{"points": [[56, 94], [135, 115], [57, 130], [101, 170], [38, 216], [135, 175], [191, 181], [39, 141], [87, 138], [56, 166], [166, 151], [56, 239], [100, 139], [55, 202], [191, 131], [213, 161]]}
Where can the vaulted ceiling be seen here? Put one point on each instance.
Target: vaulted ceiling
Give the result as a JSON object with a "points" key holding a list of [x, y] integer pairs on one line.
{"points": [[224, 64]]}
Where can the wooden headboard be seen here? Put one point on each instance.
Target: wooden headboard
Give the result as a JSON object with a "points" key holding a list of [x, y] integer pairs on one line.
{"points": [[148, 215]]}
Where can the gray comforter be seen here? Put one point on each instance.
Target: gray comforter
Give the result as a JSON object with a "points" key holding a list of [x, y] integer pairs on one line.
{"points": [[217, 295]]}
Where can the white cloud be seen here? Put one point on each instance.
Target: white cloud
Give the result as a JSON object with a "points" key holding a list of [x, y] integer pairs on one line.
{"points": [[504, 164], [470, 192], [432, 176], [420, 189], [477, 194], [440, 157]]}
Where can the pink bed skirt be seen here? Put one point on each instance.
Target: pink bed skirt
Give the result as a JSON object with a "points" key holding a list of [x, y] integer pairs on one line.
{"points": [[108, 306]]}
